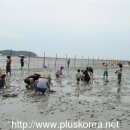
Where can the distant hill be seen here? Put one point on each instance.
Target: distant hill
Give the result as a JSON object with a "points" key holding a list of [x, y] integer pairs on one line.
{"points": [[16, 53]]}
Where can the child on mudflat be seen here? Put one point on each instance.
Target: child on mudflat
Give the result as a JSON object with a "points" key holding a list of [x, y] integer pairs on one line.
{"points": [[119, 75], [78, 76], [105, 74]]}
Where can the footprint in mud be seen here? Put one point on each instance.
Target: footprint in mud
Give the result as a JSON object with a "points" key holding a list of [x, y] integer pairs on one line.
{"points": [[7, 95]]}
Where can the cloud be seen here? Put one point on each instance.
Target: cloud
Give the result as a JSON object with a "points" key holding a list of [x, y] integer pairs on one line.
{"points": [[68, 14], [86, 27], [10, 34]]}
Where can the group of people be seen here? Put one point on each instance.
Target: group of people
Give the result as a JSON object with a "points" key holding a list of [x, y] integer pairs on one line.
{"points": [[8, 64], [8, 70], [86, 75], [118, 72], [38, 82], [41, 83]]}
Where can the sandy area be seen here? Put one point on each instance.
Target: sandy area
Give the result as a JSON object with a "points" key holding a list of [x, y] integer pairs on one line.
{"points": [[96, 102]]}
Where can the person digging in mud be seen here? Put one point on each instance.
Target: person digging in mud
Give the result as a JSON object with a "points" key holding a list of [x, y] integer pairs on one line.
{"points": [[38, 83], [59, 72]]}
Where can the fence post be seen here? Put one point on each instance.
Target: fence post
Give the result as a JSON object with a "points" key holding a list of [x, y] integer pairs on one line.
{"points": [[44, 60], [66, 61], [74, 61], [55, 60], [102, 62], [29, 60], [98, 62], [82, 61], [88, 61], [93, 61]]}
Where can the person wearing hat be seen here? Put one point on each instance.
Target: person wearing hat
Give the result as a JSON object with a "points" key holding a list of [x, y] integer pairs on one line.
{"points": [[2, 78], [38, 82]]}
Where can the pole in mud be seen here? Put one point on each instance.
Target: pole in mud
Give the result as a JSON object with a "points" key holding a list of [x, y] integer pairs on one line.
{"points": [[88, 60], [82, 61], [44, 59], [29, 60], [75, 61], [93, 61], [56, 61], [66, 60]]}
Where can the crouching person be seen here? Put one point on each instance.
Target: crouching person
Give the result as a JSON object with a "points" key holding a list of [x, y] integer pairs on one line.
{"points": [[42, 85], [38, 83], [2, 79]]}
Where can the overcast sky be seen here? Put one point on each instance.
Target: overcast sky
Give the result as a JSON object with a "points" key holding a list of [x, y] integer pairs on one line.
{"points": [[99, 28]]}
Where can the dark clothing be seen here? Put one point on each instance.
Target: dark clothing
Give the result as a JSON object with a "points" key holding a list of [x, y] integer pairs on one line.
{"points": [[87, 77], [90, 69], [22, 62], [8, 65], [8, 69], [119, 75], [43, 90], [2, 80], [68, 62], [119, 78]]}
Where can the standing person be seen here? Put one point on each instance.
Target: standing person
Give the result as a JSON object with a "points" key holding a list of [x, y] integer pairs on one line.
{"points": [[8, 65], [105, 72], [22, 62], [68, 62], [78, 76], [119, 75]]}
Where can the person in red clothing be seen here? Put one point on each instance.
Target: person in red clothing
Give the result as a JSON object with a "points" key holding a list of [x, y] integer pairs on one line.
{"points": [[8, 65]]}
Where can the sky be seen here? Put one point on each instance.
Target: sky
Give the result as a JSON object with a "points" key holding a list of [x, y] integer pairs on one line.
{"points": [[88, 28]]}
